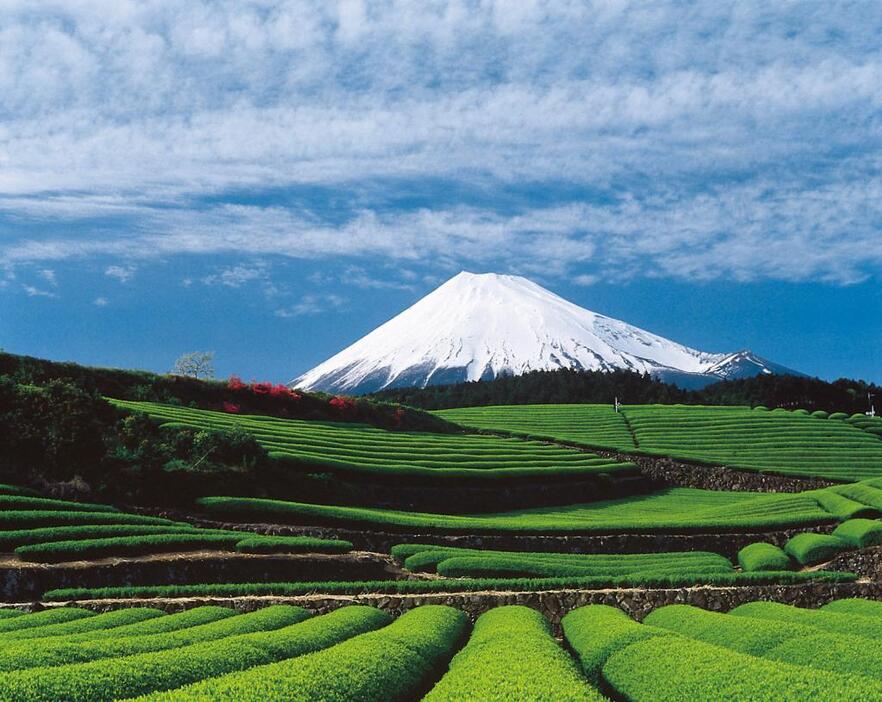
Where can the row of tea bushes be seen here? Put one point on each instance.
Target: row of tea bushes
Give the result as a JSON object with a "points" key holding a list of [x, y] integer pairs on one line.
{"points": [[482, 563], [40, 529], [366, 449], [660, 580], [781, 442], [587, 425], [809, 548], [759, 651], [673, 510]]}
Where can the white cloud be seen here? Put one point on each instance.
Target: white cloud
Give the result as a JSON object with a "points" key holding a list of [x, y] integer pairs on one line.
{"points": [[586, 279], [311, 304], [122, 273], [236, 276], [730, 141], [48, 275], [32, 291], [101, 302]]}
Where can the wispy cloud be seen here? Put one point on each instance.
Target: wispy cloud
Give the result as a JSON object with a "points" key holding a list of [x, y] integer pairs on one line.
{"points": [[732, 140], [311, 304], [33, 291], [122, 273], [101, 302], [48, 275]]}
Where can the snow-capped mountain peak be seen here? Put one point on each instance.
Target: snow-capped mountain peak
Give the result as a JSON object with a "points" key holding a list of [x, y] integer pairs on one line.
{"points": [[481, 326]]}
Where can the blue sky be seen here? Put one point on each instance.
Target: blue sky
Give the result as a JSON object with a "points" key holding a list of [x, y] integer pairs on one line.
{"points": [[273, 179]]}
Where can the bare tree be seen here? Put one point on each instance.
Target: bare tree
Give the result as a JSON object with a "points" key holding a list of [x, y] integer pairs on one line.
{"points": [[196, 364]]}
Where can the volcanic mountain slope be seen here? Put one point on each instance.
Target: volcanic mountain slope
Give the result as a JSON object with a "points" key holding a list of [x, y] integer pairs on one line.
{"points": [[481, 326]]}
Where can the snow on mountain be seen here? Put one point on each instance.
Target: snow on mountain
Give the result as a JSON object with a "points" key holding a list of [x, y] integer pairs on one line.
{"points": [[483, 326]]}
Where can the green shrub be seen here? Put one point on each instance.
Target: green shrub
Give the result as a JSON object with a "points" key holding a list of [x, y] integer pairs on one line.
{"points": [[761, 408], [292, 544], [809, 548], [595, 632], [648, 579], [860, 533], [76, 649], [837, 654], [763, 556], [854, 605], [54, 551], [512, 655], [820, 414], [677, 510], [105, 621], [19, 502], [738, 633], [843, 507], [44, 618], [10, 613], [392, 664], [20, 519], [10, 540], [127, 676], [801, 412], [677, 669], [838, 415], [824, 620]]}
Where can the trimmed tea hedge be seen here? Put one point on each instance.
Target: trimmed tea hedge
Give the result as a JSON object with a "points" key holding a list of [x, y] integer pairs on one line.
{"points": [[762, 556], [738, 633], [808, 548], [595, 632], [477, 563], [10, 540], [392, 664], [99, 622], [72, 650], [588, 425], [827, 620], [82, 549], [860, 533], [781, 441], [37, 518], [643, 580], [677, 668], [365, 449], [115, 678], [45, 618], [512, 655], [854, 605], [677, 510], [292, 544]]}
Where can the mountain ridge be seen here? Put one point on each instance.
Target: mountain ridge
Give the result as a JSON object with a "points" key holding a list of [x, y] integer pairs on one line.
{"points": [[485, 326]]}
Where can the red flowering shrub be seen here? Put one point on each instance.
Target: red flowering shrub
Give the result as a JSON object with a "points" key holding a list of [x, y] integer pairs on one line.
{"points": [[230, 407], [280, 390], [235, 383], [261, 388], [342, 404]]}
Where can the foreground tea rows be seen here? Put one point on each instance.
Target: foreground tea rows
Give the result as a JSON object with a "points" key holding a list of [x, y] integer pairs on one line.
{"points": [[758, 651]]}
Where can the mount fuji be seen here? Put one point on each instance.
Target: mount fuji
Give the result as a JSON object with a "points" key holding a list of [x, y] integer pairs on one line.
{"points": [[482, 326]]}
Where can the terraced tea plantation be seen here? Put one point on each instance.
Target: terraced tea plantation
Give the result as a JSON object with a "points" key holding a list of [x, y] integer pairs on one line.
{"points": [[36, 529], [370, 450], [779, 441], [374, 599], [671, 510], [587, 425], [758, 651]]}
